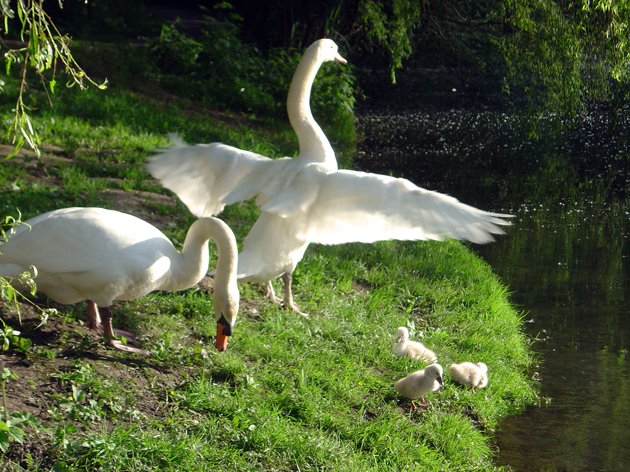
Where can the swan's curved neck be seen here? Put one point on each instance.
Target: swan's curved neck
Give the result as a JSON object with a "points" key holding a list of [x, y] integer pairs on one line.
{"points": [[313, 141], [195, 257]]}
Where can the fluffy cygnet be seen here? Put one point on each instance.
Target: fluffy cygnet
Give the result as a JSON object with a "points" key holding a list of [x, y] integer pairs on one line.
{"points": [[467, 373], [419, 383], [411, 349]]}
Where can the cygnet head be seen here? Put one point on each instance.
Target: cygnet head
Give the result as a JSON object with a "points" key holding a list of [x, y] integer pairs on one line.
{"points": [[435, 372], [403, 334], [327, 50]]}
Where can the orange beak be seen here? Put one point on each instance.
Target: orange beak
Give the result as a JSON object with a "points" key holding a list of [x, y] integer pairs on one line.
{"points": [[222, 339]]}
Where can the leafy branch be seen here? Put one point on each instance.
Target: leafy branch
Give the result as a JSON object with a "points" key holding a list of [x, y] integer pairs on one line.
{"points": [[23, 281], [45, 49]]}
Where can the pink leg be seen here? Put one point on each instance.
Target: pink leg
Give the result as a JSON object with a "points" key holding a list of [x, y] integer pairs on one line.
{"points": [[94, 323], [108, 332], [271, 294], [288, 296], [94, 320]]}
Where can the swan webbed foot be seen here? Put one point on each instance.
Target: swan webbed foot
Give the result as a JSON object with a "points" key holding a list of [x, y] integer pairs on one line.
{"points": [[422, 402], [109, 333], [291, 306], [120, 346], [288, 303]]}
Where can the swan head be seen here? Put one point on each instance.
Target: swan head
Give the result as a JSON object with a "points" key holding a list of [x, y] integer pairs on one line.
{"points": [[326, 50], [225, 311], [403, 334], [483, 367], [435, 372]]}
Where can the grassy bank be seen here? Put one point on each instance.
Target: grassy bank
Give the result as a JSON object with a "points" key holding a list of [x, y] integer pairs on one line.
{"points": [[290, 393]]}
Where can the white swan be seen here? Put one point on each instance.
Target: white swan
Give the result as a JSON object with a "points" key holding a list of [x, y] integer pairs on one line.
{"points": [[467, 373], [103, 255], [306, 199], [419, 383], [411, 349]]}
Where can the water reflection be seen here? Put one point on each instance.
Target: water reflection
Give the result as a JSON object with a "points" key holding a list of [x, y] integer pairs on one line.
{"points": [[565, 260], [570, 275]]}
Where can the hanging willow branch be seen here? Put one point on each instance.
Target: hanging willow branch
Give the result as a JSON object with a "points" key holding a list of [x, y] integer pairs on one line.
{"points": [[45, 49]]}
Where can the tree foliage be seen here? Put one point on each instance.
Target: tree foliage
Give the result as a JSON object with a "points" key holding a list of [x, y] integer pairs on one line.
{"points": [[562, 53], [567, 52]]}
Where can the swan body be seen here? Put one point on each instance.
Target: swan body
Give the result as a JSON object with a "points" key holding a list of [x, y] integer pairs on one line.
{"points": [[421, 382], [103, 255], [467, 373], [307, 199], [411, 349]]}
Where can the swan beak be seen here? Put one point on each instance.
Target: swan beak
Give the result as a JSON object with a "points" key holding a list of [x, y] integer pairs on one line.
{"points": [[399, 340], [222, 339], [439, 379], [338, 58]]}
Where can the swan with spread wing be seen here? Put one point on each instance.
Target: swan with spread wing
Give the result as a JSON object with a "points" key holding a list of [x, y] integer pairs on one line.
{"points": [[306, 199]]}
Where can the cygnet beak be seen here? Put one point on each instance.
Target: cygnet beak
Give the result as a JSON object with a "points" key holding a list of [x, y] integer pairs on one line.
{"points": [[439, 379]]}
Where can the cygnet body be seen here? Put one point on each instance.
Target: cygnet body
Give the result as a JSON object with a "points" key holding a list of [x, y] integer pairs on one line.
{"points": [[467, 373], [412, 349], [416, 385]]}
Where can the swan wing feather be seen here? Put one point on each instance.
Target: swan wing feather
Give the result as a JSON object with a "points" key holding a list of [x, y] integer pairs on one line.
{"points": [[206, 177], [351, 206]]}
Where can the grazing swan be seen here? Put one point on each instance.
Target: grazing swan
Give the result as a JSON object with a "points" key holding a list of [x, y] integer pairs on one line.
{"points": [[420, 382], [103, 255], [306, 199], [467, 373], [411, 349]]}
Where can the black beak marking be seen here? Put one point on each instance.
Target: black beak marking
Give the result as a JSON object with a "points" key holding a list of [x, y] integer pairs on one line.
{"points": [[227, 328]]}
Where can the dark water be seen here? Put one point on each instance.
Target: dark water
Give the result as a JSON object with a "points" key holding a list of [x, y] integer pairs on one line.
{"points": [[566, 260], [573, 283]]}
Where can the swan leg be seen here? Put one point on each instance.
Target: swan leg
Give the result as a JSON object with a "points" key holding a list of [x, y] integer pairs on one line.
{"points": [[94, 323], [108, 332], [271, 294], [288, 296], [93, 318]]}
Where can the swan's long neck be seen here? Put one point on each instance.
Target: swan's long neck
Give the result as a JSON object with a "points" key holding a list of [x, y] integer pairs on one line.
{"points": [[195, 259], [313, 141]]}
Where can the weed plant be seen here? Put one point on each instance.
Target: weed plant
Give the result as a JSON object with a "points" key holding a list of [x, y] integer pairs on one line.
{"points": [[290, 393]]}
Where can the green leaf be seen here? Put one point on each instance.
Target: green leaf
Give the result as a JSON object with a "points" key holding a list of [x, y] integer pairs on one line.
{"points": [[77, 393], [16, 434], [4, 441]]}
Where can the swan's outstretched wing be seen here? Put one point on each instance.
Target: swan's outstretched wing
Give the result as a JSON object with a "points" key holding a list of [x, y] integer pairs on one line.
{"points": [[206, 177], [348, 206]]}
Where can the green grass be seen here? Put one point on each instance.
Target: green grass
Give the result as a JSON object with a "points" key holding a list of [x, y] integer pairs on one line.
{"points": [[290, 393]]}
